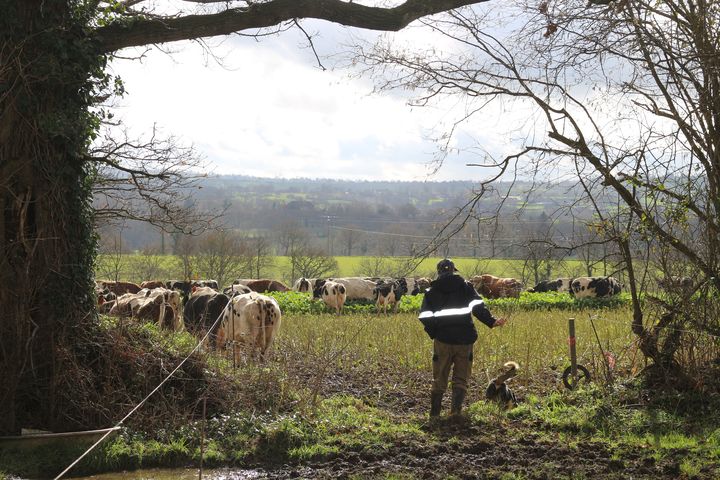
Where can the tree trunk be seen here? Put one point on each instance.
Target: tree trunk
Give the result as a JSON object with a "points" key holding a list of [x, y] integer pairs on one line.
{"points": [[46, 242]]}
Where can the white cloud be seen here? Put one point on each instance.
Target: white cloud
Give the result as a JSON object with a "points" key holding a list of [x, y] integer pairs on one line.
{"points": [[272, 112]]}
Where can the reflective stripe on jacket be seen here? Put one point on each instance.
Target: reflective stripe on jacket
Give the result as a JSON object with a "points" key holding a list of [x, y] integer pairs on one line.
{"points": [[447, 310]]}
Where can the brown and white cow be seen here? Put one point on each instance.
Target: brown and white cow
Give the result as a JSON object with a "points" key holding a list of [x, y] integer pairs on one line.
{"points": [[266, 285], [152, 284], [118, 288], [250, 322], [595, 287], [390, 294], [104, 297], [490, 286], [332, 293], [160, 305]]}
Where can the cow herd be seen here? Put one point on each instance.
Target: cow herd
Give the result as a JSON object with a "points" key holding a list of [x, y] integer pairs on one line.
{"points": [[581, 287], [242, 315], [238, 316], [384, 292], [491, 287]]}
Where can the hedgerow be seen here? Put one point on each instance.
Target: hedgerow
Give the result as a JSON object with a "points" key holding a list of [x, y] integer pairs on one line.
{"points": [[303, 303]]}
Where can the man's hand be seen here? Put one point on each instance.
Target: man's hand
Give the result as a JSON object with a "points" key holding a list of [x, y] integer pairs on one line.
{"points": [[499, 322]]}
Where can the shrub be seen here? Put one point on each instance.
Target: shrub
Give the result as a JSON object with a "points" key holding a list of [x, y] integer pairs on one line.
{"points": [[302, 303]]}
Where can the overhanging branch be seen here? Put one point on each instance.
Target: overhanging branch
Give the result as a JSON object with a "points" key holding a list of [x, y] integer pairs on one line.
{"points": [[144, 31]]}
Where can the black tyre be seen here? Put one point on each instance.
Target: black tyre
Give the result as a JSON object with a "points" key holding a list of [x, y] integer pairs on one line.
{"points": [[583, 376]]}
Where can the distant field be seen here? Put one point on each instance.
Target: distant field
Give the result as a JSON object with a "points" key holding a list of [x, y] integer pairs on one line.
{"points": [[138, 267]]}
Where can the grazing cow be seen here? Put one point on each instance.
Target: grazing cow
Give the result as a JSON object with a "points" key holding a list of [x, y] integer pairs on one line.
{"points": [[236, 289], [304, 285], [104, 295], [104, 306], [251, 320], [595, 287], [357, 288], [158, 304], [417, 286], [186, 286], [183, 286], [265, 285], [490, 286], [332, 293], [557, 285], [205, 283], [390, 294], [118, 288], [152, 284], [202, 311]]}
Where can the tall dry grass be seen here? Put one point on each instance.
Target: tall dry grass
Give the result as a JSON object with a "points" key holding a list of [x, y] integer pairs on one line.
{"points": [[383, 351]]}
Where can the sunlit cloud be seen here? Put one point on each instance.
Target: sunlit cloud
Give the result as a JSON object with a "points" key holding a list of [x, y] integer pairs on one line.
{"points": [[269, 110]]}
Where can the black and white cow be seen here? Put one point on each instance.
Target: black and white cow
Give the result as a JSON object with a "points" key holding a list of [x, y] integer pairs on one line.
{"points": [[390, 293], [185, 287], [305, 285], [357, 288], [251, 322], [203, 311], [332, 293], [595, 287], [417, 286], [557, 285], [236, 289]]}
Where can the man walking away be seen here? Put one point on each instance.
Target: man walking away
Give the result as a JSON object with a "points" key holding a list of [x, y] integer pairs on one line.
{"points": [[446, 314]]}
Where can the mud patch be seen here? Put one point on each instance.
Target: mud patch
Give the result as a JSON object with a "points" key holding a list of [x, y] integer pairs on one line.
{"points": [[466, 451]]}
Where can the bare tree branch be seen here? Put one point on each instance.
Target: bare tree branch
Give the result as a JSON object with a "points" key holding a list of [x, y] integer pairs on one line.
{"points": [[149, 180], [143, 31]]}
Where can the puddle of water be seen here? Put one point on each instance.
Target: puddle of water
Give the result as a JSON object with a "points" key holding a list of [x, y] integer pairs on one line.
{"points": [[178, 474]]}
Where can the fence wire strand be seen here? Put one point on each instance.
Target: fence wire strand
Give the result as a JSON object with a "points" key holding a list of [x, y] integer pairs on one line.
{"points": [[142, 402]]}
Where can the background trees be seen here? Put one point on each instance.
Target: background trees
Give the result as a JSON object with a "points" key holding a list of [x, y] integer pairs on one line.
{"points": [[624, 98]]}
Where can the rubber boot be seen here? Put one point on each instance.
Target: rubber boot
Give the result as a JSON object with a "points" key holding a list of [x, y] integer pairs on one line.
{"points": [[435, 404], [458, 397]]}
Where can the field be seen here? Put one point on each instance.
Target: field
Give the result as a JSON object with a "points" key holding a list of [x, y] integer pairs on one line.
{"points": [[535, 339], [139, 267], [348, 396]]}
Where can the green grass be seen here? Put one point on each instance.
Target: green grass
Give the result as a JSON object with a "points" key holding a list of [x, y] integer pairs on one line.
{"points": [[137, 267], [331, 386], [537, 340]]}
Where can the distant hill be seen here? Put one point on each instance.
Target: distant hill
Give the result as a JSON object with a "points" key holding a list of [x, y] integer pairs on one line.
{"points": [[331, 210]]}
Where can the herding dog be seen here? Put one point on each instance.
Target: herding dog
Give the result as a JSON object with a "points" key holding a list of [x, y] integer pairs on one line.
{"points": [[498, 391]]}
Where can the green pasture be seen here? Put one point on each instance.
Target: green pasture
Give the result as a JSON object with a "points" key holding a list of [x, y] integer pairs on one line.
{"points": [[359, 382], [138, 267], [537, 340]]}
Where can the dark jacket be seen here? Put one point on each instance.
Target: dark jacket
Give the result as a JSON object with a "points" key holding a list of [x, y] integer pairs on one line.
{"points": [[447, 311]]}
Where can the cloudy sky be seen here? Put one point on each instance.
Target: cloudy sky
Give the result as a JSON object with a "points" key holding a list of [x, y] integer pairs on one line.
{"points": [[266, 109]]}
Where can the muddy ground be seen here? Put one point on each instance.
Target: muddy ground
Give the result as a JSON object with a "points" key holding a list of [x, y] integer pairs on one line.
{"points": [[463, 450], [467, 451]]}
